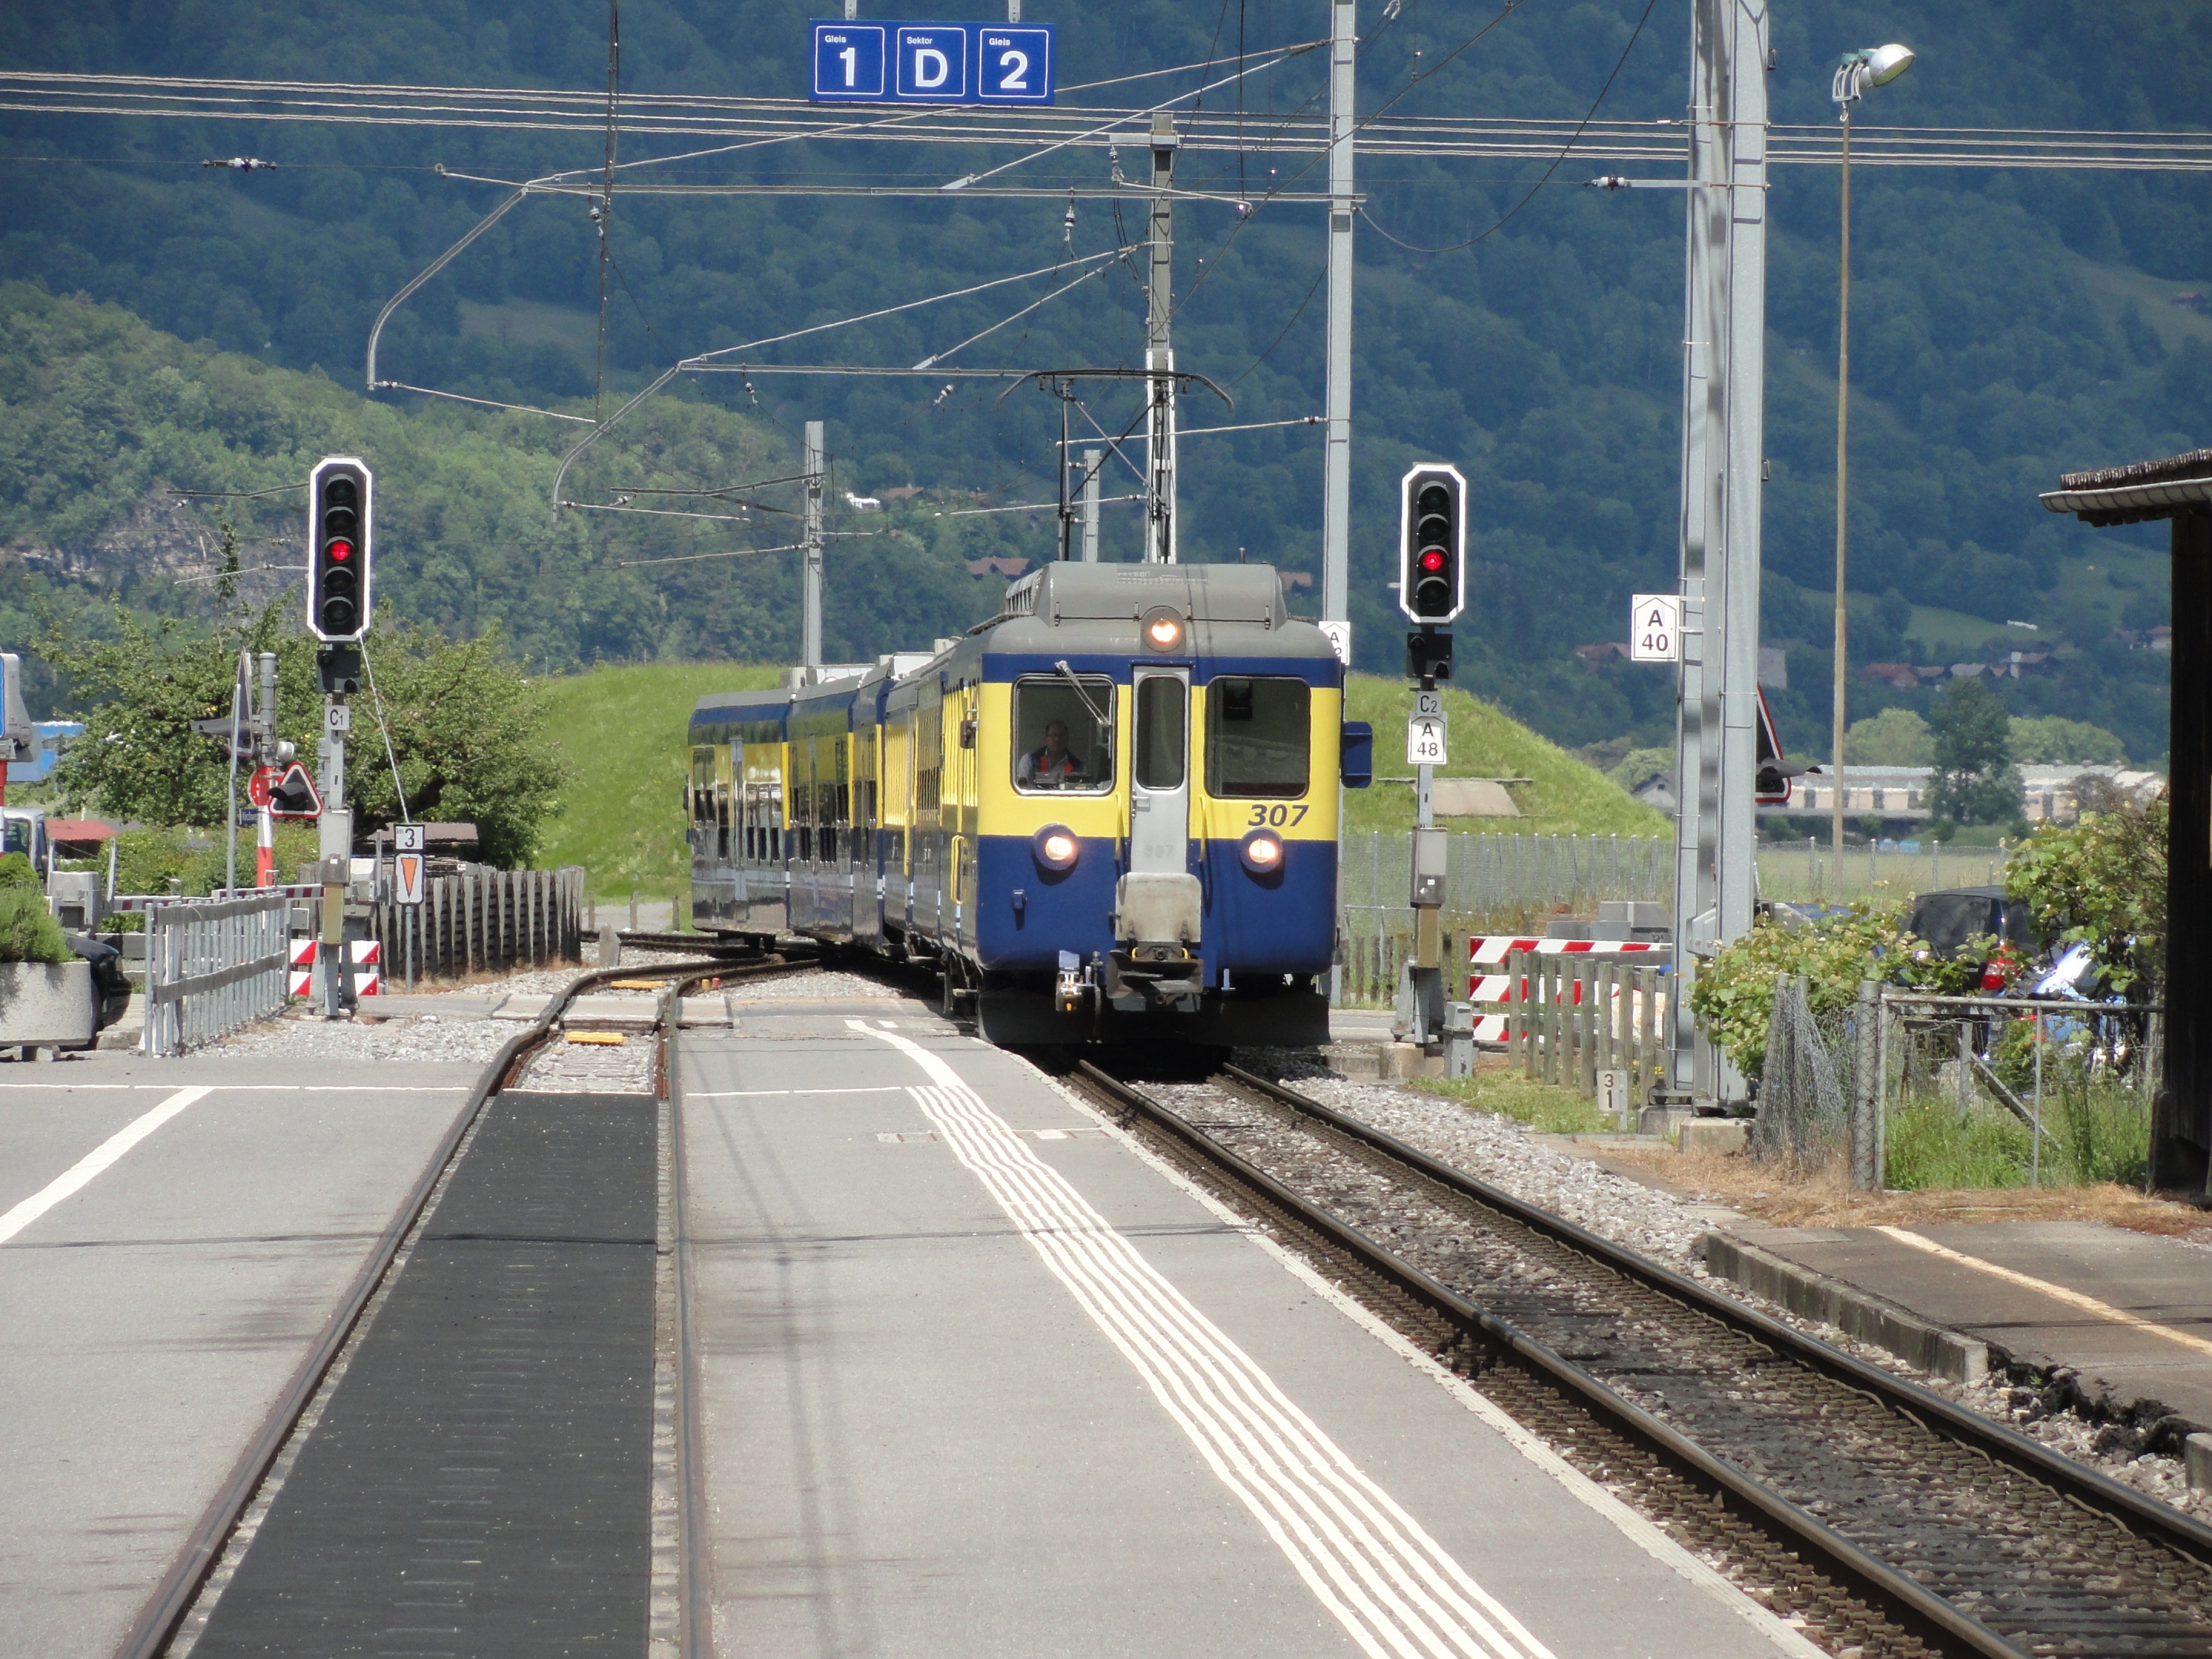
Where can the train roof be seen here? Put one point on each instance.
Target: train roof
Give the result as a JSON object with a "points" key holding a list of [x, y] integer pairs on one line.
{"points": [[726, 707], [1231, 607]]}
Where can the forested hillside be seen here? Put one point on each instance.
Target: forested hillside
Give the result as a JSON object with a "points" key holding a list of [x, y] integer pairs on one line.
{"points": [[2007, 326]]}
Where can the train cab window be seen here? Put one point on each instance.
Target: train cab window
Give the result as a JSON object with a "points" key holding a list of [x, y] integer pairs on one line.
{"points": [[1256, 741], [1063, 737], [1162, 731]]}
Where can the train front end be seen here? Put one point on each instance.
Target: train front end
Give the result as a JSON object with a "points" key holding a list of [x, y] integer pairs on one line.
{"points": [[1156, 855]]}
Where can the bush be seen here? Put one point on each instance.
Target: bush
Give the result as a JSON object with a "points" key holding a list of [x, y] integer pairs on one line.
{"points": [[28, 933], [16, 871], [1733, 997]]}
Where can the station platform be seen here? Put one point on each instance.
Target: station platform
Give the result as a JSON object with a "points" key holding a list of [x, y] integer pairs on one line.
{"points": [[2129, 1313], [982, 1378], [173, 1236]]}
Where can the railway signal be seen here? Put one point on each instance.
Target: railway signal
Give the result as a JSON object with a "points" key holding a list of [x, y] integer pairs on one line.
{"points": [[1432, 545], [338, 548]]}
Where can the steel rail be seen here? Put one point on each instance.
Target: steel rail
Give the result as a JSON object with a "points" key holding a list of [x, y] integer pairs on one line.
{"points": [[1914, 1608], [178, 1588], [2144, 1516]]}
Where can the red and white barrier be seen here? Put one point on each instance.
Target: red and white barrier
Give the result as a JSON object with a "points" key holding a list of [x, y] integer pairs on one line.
{"points": [[1492, 950], [367, 966]]}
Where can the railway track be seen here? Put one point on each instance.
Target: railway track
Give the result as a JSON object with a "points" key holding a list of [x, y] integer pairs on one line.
{"points": [[1885, 1518], [183, 1598]]}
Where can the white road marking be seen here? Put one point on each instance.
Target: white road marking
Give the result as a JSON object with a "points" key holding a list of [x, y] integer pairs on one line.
{"points": [[1394, 1590], [75, 1177], [2087, 1305]]}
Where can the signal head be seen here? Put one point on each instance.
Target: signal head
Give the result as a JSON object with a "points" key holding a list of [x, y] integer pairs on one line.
{"points": [[340, 520], [1432, 545]]}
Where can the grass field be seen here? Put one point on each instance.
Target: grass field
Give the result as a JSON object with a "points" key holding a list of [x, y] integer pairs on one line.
{"points": [[1562, 797], [622, 729]]}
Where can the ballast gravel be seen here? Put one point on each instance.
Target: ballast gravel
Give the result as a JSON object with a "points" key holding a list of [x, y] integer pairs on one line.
{"points": [[1667, 1229]]}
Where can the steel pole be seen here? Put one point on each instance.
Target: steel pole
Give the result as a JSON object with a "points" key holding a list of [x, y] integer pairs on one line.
{"points": [[1159, 354], [809, 649], [1723, 465], [1092, 461], [1336, 452], [1842, 433]]}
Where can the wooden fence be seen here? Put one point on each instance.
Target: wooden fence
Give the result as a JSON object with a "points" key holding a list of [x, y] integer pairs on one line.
{"points": [[481, 919]]}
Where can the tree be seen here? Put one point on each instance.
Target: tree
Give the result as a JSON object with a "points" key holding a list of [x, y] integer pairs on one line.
{"points": [[464, 727], [1895, 737], [1975, 780], [2054, 740]]}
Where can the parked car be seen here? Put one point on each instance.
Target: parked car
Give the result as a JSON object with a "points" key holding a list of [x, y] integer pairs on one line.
{"points": [[1952, 918]]}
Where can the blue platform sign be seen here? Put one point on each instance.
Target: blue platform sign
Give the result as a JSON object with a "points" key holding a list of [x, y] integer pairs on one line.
{"points": [[933, 62]]}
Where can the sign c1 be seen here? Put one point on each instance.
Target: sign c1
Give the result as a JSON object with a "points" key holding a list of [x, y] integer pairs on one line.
{"points": [[407, 877], [407, 837]]}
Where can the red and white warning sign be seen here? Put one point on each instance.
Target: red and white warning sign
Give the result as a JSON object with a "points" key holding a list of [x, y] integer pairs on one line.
{"points": [[367, 966]]}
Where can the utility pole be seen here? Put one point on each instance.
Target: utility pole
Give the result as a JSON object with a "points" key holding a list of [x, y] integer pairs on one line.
{"points": [[1723, 460], [335, 829], [1336, 452], [1092, 460], [810, 652], [1159, 356]]}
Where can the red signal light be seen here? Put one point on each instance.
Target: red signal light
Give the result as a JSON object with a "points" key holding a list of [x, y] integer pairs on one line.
{"points": [[339, 550], [1433, 558]]}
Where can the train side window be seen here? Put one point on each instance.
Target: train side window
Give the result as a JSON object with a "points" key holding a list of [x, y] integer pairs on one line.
{"points": [[1063, 737], [1256, 739]]}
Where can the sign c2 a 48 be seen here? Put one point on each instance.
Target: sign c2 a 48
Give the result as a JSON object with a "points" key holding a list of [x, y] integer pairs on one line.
{"points": [[873, 63]]}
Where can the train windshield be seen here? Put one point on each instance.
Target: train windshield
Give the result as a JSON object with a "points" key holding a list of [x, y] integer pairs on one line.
{"points": [[1064, 734], [1256, 737]]}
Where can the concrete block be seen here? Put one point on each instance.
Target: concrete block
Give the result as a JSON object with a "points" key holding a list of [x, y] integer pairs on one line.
{"points": [[2196, 1459], [1870, 1318], [609, 947], [1665, 1121], [1714, 1134], [1401, 1059], [43, 1003], [1352, 1059]]}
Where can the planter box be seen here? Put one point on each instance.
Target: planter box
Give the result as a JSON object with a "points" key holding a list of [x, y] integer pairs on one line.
{"points": [[43, 1004]]}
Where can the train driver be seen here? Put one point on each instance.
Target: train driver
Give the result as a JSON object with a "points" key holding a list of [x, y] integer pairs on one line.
{"points": [[1052, 764]]}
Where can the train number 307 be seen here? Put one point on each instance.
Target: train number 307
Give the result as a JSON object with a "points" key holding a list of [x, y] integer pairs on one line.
{"points": [[1278, 815]]}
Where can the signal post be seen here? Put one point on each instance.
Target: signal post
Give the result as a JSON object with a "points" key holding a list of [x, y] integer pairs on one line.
{"points": [[1431, 592], [340, 523]]}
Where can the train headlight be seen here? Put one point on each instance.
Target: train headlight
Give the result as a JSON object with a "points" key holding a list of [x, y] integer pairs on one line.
{"points": [[1161, 628], [1262, 852], [1056, 847]]}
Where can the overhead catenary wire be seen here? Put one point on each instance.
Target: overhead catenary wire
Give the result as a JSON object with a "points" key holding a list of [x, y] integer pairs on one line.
{"points": [[1558, 162]]}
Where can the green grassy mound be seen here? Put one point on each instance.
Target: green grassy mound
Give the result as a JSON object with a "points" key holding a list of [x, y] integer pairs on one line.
{"points": [[621, 729], [1562, 797]]}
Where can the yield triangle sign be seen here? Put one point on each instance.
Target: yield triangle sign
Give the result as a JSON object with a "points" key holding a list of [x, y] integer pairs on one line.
{"points": [[295, 795]]}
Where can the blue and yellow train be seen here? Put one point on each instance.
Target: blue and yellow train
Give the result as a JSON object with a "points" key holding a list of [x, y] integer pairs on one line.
{"points": [[1108, 814]]}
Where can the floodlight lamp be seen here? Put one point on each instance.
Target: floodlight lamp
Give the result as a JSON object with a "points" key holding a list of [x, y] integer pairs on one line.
{"points": [[1885, 63], [1869, 66]]}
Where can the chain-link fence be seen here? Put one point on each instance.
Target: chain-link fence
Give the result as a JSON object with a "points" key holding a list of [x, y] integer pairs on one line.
{"points": [[1808, 871], [1493, 884]]}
